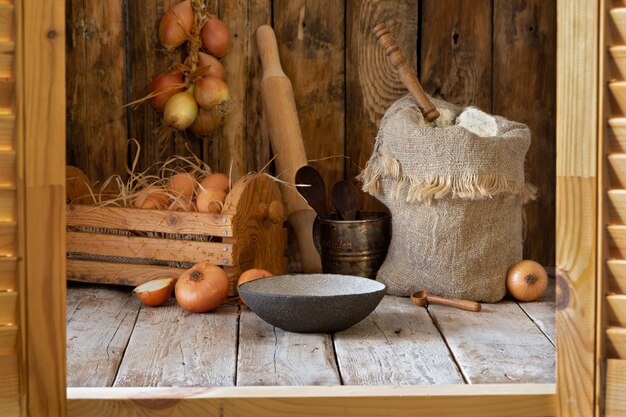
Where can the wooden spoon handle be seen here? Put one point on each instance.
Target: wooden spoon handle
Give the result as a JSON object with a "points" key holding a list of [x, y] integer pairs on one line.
{"points": [[454, 302], [406, 73]]}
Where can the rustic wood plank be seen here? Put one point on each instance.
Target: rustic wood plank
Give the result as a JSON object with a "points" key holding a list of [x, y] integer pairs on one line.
{"points": [[398, 344], [616, 342], [576, 196], [615, 405], [542, 312], [118, 274], [96, 88], [311, 43], [9, 385], [372, 83], [7, 204], [498, 345], [616, 132], [617, 98], [8, 307], [7, 168], [272, 356], [616, 275], [492, 400], [8, 271], [616, 309], [240, 137], [524, 76], [456, 51], [147, 59], [8, 339], [150, 248], [99, 324], [617, 241], [617, 63], [7, 131], [617, 170], [151, 220], [171, 347], [7, 238], [616, 206], [7, 49], [7, 22]]}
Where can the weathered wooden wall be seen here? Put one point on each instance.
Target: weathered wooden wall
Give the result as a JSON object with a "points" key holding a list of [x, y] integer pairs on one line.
{"points": [[498, 55]]}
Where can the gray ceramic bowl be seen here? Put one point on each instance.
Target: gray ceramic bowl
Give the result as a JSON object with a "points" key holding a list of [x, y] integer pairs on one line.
{"points": [[312, 303]]}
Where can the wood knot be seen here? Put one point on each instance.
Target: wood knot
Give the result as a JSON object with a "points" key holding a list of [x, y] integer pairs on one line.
{"points": [[51, 34], [564, 290], [157, 404]]}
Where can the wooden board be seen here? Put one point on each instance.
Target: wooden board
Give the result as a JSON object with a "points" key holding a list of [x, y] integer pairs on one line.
{"points": [[616, 132], [524, 76], [616, 309], [497, 345], [542, 312], [615, 388], [150, 220], [8, 232], [617, 62], [617, 275], [118, 274], [7, 49], [616, 342], [398, 344], [217, 253], [456, 51], [8, 270], [96, 51], [7, 204], [170, 347], [7, 22], [8, 307], [616, 206], [372, 84], [311, 44], [7, 168], [8, 339], [100, 321], [7, 131], [9, 386], [271, 356]]}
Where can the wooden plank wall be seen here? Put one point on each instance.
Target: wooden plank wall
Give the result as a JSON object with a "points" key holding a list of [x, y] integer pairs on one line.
{"points": [[495, 54]]}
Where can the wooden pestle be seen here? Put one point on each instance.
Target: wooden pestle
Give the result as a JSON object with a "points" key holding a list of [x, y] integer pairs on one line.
{"points": [[406, 73]]}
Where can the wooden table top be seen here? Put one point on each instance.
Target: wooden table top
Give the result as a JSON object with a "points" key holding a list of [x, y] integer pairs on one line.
{"points": [[114, 341]]}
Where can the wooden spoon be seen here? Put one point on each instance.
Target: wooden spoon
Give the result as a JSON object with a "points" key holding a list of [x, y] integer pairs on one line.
{"points": [[423, 298], [346, 199], [311, 186]]}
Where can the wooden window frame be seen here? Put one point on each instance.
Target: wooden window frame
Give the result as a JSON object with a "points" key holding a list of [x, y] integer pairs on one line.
{"points": [[40, 98]]}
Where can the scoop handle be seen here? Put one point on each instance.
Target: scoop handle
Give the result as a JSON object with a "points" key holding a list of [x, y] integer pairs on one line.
{"points": [[454, 302], [406, 73]]}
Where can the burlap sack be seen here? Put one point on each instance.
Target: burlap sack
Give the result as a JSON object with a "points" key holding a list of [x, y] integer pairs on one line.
{"points": [[455, 191]]}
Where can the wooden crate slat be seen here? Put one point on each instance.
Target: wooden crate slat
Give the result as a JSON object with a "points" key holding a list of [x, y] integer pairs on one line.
{"points": [[7, 204], [616, 342], [8, 305], [150, 220], [616, 204], [7, 49], [150, 248], [8, 266], [7, 125], [272, 356], [617, 98], [616, 131], [615, 405], [616, 310], [382, 349], [617, 62], [9, 386], [7, 238], [617, 241], [100, 321], [617, 25], [8, 339], [6, 22], [174, 348], [7, 90], [617, 275], [118, 274], [7, 168]]}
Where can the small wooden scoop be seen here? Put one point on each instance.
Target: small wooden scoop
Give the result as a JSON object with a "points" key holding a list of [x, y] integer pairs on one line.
{"points": [[423, 298], [311, 186], [406, 73]]}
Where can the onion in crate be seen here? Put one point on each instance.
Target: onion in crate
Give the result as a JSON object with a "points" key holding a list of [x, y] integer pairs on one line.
{"points": [[151, 197], [182, 184], [216, 180], [210, 200]]}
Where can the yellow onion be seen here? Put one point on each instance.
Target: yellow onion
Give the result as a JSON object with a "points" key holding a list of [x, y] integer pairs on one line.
{"points": [[215, 37], [216, 180], [180, 110], [151, 197], [215, 67], [527, 280], [202, 288], [165, 86], [156, 292], [182, 184], [207, 122], [176, 25], [210, 200], [210, 92]]}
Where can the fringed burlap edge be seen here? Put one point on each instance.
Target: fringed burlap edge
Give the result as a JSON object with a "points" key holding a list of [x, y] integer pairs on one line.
{"points": [[424, 190]]}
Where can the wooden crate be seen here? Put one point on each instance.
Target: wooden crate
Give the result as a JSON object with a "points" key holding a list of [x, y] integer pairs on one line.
{"points": [[127, 246]]}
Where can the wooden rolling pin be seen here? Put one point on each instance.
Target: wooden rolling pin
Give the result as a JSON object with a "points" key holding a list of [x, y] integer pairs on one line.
{"points": [[406, 73], [281, 118]]}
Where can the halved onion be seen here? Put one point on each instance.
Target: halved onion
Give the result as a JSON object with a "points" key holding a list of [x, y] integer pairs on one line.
{"points": [[156, 292]]}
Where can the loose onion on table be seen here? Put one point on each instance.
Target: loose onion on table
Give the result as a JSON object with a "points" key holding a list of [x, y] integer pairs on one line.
{"points": [[202, 288], [216, 36], [176, 25], [180, 110], [210, 200], [164, 87], [251, 275], [156, 292], [527, 280]]}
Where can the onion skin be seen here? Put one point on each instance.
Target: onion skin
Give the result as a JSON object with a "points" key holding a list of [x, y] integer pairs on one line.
{"points": [[155, 293], [166, 85], [216, 69], [216, 180], [176, 25], [151, 197], [215, 37], [208, 199], [251, 275], [527, 280], [207, 122], [210, 92], [202, 288], [182, 184], [180, 111]]}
